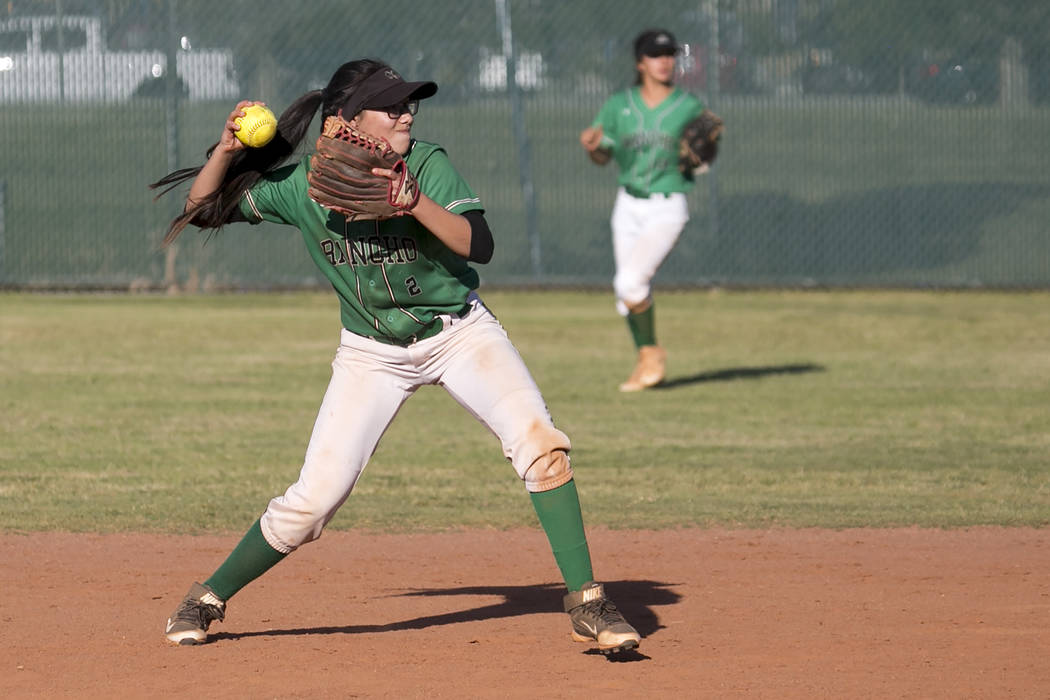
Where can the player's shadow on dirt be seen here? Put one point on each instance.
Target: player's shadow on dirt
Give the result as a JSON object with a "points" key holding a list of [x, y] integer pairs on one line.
{"points": [[635, 599], [734, 373]]}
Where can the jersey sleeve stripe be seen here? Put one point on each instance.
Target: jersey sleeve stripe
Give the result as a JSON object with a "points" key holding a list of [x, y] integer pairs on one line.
{"points": [[467, 200], [251, 203]]}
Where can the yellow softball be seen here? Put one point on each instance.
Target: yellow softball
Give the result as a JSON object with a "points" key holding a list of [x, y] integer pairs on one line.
{"points": [[257, 127]]}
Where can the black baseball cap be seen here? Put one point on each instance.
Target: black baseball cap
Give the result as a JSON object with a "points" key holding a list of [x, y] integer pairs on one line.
{"points": [[655, 42], [386, 88]]}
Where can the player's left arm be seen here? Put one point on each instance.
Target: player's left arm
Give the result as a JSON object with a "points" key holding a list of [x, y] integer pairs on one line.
{"points": [[451, 229], [468, 234]]}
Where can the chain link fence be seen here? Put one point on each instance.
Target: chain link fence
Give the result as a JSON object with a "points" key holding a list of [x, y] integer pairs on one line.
{"points": [[903, 144]]}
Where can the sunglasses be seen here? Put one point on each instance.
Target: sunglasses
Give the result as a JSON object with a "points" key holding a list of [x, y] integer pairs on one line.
{"points": [[395, 111]]}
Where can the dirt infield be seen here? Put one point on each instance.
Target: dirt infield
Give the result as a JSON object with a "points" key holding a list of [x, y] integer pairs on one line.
{"points": [[724, 614]]}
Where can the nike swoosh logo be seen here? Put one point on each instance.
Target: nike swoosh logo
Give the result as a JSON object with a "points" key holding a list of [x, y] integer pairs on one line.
{"points": [[590, 628], [170, 625]]}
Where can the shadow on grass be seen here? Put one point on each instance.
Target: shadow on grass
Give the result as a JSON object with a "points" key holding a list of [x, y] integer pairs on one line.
{"points": [[734, 373], [635, 599]]}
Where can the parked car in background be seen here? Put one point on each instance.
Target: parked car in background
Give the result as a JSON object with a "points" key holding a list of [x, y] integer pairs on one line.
{"points": [[834, 80], [1037, 62], [46, 58], [529, 71], [953, 79], [157, 87], [693, 67], [824, 74]]}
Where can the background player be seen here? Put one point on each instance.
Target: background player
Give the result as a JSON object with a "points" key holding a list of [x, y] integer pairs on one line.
{"points": [[410, 316], [639, 128]]}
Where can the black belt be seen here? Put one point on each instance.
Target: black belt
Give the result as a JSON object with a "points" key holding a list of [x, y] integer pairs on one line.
{"points": [[638, 194], [428, 331]]}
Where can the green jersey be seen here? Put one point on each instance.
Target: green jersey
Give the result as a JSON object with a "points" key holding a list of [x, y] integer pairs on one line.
{"points": [[393, 277], [644, 141]]}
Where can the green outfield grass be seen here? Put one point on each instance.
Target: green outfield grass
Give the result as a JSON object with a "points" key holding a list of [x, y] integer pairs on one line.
{"points": [[185, 415]]}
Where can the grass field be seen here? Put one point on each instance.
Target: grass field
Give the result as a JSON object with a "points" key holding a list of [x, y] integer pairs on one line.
{"points": [[830, 409]]}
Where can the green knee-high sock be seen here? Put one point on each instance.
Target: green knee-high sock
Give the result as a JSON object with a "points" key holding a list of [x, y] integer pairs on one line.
{"points": [[643, 327], [251, 558], [562, 520]]}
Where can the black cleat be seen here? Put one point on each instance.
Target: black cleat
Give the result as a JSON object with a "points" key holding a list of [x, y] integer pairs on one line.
{"points": [[188, 625], [596, 619]]}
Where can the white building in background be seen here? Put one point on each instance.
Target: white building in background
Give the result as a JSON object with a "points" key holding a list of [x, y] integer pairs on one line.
{"points": [[34, 69]]}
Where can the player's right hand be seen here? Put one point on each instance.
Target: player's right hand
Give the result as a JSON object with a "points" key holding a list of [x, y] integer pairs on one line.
{"points": [[228, 141], [591, 138]]}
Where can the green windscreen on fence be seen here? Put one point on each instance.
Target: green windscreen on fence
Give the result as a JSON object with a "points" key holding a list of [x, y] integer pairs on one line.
{"points": [[898, 143]]}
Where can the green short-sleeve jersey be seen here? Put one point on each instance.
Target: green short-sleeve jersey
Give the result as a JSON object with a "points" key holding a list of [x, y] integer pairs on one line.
{"points": [[393, 277], [644, 141]]}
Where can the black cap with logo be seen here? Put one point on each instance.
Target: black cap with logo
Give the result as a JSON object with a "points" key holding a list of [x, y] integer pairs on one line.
{"points": [[655, 42], [385, 88]]}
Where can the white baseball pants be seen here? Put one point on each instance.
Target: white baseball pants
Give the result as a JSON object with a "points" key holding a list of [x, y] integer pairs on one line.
{"points": [[472, 358], [644, 232]]}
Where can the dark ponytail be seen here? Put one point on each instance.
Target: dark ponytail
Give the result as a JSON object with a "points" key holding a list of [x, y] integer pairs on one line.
{"points": [[249, 165]]}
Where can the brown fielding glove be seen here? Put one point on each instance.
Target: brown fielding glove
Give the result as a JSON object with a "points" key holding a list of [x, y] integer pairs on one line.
{"points": [[698, 145], [341, 178]]}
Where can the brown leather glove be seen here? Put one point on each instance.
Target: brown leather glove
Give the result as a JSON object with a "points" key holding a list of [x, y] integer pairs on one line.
{"points": [[341, 178]]}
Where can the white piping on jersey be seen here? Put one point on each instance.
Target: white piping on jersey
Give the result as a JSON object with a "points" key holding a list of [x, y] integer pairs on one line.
{"points": [[465, 200], [665, 111], [386, 281], [636, 111], [357, 278], [390, 291], [251, 203]]}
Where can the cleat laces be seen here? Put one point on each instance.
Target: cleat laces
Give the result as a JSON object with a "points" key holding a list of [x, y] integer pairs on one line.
{"points": [[198, 613], [604, 610]]}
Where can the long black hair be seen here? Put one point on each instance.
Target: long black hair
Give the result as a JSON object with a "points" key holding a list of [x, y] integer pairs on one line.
{"points": [[250, 164]]}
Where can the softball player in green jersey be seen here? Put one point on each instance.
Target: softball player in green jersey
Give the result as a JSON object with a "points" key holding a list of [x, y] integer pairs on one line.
{"points": [[639, 129], [411, 316]]}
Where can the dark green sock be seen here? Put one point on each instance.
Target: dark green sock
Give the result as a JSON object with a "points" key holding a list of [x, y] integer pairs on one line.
{"points": [[251, 558], [643, 327], [562, 520]]}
